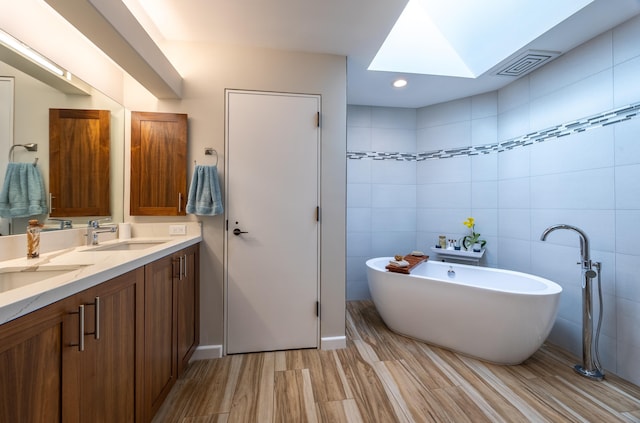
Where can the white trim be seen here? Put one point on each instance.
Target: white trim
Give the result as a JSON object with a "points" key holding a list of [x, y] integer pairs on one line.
{"points": [[206, 352], [333, 342]]}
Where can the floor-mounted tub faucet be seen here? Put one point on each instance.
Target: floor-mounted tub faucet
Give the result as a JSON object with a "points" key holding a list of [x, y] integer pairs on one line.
{"points": [[590, 365]]}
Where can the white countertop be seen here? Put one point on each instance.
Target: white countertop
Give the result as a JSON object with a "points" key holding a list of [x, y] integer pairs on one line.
{"points": [[97, 267]]}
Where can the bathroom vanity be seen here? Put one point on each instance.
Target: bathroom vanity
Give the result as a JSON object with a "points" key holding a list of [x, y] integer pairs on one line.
{"points": [[106, 333]]}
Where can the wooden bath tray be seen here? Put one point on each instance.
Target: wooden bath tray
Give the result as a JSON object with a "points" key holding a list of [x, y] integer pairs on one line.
{"points": [[413, 262]]}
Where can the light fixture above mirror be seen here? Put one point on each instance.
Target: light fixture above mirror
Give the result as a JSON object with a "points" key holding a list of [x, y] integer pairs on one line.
{"points": [[14, 53]]}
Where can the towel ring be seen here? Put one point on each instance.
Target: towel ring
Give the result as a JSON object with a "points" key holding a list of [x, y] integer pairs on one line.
{"points": [[210, 152], [30, 147]]}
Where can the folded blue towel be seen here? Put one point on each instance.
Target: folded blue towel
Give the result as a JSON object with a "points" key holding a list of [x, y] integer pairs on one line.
{"points": [[204, 192], [23, 191]]}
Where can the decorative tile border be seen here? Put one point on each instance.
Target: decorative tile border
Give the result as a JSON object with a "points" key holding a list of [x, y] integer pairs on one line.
{"points": [[611, 117]]}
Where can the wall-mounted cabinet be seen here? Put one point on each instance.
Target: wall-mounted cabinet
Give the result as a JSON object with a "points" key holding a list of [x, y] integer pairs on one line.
{"points": [[158, 164], [79, 143]]}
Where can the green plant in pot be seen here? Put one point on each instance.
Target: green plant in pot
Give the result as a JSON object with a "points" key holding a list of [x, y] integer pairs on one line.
{"points": [[470, 240]]}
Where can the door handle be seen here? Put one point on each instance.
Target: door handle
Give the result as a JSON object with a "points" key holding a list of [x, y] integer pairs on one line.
{"points": [[237, 231]]}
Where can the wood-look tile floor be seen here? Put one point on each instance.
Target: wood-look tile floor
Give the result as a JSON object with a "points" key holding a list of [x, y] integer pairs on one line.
{"points": [[384, 377]]}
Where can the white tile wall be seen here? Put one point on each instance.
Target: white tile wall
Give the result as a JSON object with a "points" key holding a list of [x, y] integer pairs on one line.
{"points": [[625, 37], [625, 83], [587, 179], [381, 195], [586, 60]]}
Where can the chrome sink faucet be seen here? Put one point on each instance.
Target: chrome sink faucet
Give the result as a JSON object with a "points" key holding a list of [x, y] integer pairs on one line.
{"points": [[64, 223], [94, 228]]}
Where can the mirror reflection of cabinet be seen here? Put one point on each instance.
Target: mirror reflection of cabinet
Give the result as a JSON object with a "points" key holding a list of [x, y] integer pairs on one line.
{"points": [[158, 164], [79, 162]]}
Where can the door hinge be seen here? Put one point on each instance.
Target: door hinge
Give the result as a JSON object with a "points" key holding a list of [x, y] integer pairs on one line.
{"points": [[227, 225], [318, 119], [317, 213], [317, 308]]}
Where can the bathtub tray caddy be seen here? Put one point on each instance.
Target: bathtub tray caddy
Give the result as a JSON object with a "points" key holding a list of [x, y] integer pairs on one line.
{"points": [[413, 262]]}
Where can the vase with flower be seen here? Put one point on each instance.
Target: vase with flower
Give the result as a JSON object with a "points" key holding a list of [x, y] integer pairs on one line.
{"points": [[472, 242]]}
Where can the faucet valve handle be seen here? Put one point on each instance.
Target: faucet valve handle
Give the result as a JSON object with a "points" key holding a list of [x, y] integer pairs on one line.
{"points": [[95, 223]]}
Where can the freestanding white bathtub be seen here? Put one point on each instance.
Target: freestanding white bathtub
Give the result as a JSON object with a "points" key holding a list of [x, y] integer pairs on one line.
{"points": [[496, 315]]}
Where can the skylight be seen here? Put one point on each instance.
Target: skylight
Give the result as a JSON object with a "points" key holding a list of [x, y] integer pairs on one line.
{"points": [[466, 38]]}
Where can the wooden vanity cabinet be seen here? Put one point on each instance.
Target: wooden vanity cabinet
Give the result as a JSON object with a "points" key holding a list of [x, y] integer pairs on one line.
{"points": [[188, 304], [103, 382], [171, 322], [44, 377], [31, 349], [148, 321], [159, 334], [158, 164]]}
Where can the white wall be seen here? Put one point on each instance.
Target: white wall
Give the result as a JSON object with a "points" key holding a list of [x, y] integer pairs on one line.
{"points": [[207, 70], [587, 179]]}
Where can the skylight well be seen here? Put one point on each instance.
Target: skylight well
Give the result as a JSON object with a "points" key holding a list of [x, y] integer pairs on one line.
{"points": [[466, 38]]}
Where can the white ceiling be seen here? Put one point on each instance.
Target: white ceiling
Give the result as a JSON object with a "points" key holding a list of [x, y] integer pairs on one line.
{"points": [[352, 28]]}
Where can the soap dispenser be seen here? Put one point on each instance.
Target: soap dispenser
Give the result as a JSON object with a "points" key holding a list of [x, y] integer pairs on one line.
{"points": [[33, 239]]}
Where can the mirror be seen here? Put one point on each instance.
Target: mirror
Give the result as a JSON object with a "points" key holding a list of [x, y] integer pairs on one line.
{"points": [[28, 114]]}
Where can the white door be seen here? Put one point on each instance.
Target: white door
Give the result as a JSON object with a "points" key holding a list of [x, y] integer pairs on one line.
{"points": [[272, 237]]}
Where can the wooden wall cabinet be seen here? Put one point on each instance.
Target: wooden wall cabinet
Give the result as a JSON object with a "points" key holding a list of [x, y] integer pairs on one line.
{"points": [[79, 144], [158, 164]]}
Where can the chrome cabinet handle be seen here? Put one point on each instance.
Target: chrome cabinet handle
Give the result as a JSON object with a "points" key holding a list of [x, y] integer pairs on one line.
{"points": [[185, 266], [96, 314], [80, 314]]}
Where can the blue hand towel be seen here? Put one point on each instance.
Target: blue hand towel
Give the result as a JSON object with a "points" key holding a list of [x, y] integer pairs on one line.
{"points": [[23, 191], [204, 192]]}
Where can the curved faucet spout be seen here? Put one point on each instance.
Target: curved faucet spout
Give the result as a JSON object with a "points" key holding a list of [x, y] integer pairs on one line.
{"points": [[584, 240]]}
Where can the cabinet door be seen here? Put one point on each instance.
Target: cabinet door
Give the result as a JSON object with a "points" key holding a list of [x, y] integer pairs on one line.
{"points": [[30, 367], [102, 382], [160, 334], [79, 142], [158, 164], [188, 304]]}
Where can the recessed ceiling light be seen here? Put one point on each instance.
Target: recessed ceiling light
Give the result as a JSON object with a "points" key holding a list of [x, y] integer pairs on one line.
{"points": [[400, 83]]}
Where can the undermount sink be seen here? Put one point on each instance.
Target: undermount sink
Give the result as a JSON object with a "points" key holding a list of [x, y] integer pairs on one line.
{"points": [[127, 246], [17, 277]]}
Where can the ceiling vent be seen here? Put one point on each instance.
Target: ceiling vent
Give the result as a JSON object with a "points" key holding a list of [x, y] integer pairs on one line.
{"points": [[524, 63]]}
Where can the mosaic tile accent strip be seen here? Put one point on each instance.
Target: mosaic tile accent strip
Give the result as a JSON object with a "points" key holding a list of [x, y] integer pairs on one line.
{"points": [[611, 117]]}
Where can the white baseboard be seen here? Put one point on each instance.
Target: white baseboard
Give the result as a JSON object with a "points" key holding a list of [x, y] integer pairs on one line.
{"points": [[207, 352], [333, 342]]}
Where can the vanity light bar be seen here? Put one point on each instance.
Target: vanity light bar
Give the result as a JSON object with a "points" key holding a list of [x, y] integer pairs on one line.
{"points": [[17, 46]]}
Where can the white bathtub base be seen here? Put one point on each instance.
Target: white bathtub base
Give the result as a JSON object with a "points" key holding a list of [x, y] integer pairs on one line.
{"points": [[498, 316]]}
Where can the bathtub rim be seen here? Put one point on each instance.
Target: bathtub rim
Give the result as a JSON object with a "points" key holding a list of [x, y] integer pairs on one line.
{"points": [[551, 287]]}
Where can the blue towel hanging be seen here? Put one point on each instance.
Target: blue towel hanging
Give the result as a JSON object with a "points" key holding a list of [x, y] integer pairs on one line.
{"points": [[204, 192], [22, 192]]}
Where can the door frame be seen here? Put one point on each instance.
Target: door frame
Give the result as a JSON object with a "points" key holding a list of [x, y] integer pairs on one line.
{"points": [[225, 290]]}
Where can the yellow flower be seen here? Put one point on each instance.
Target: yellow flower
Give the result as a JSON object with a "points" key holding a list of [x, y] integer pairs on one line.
{"points": [[469, 222]]}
